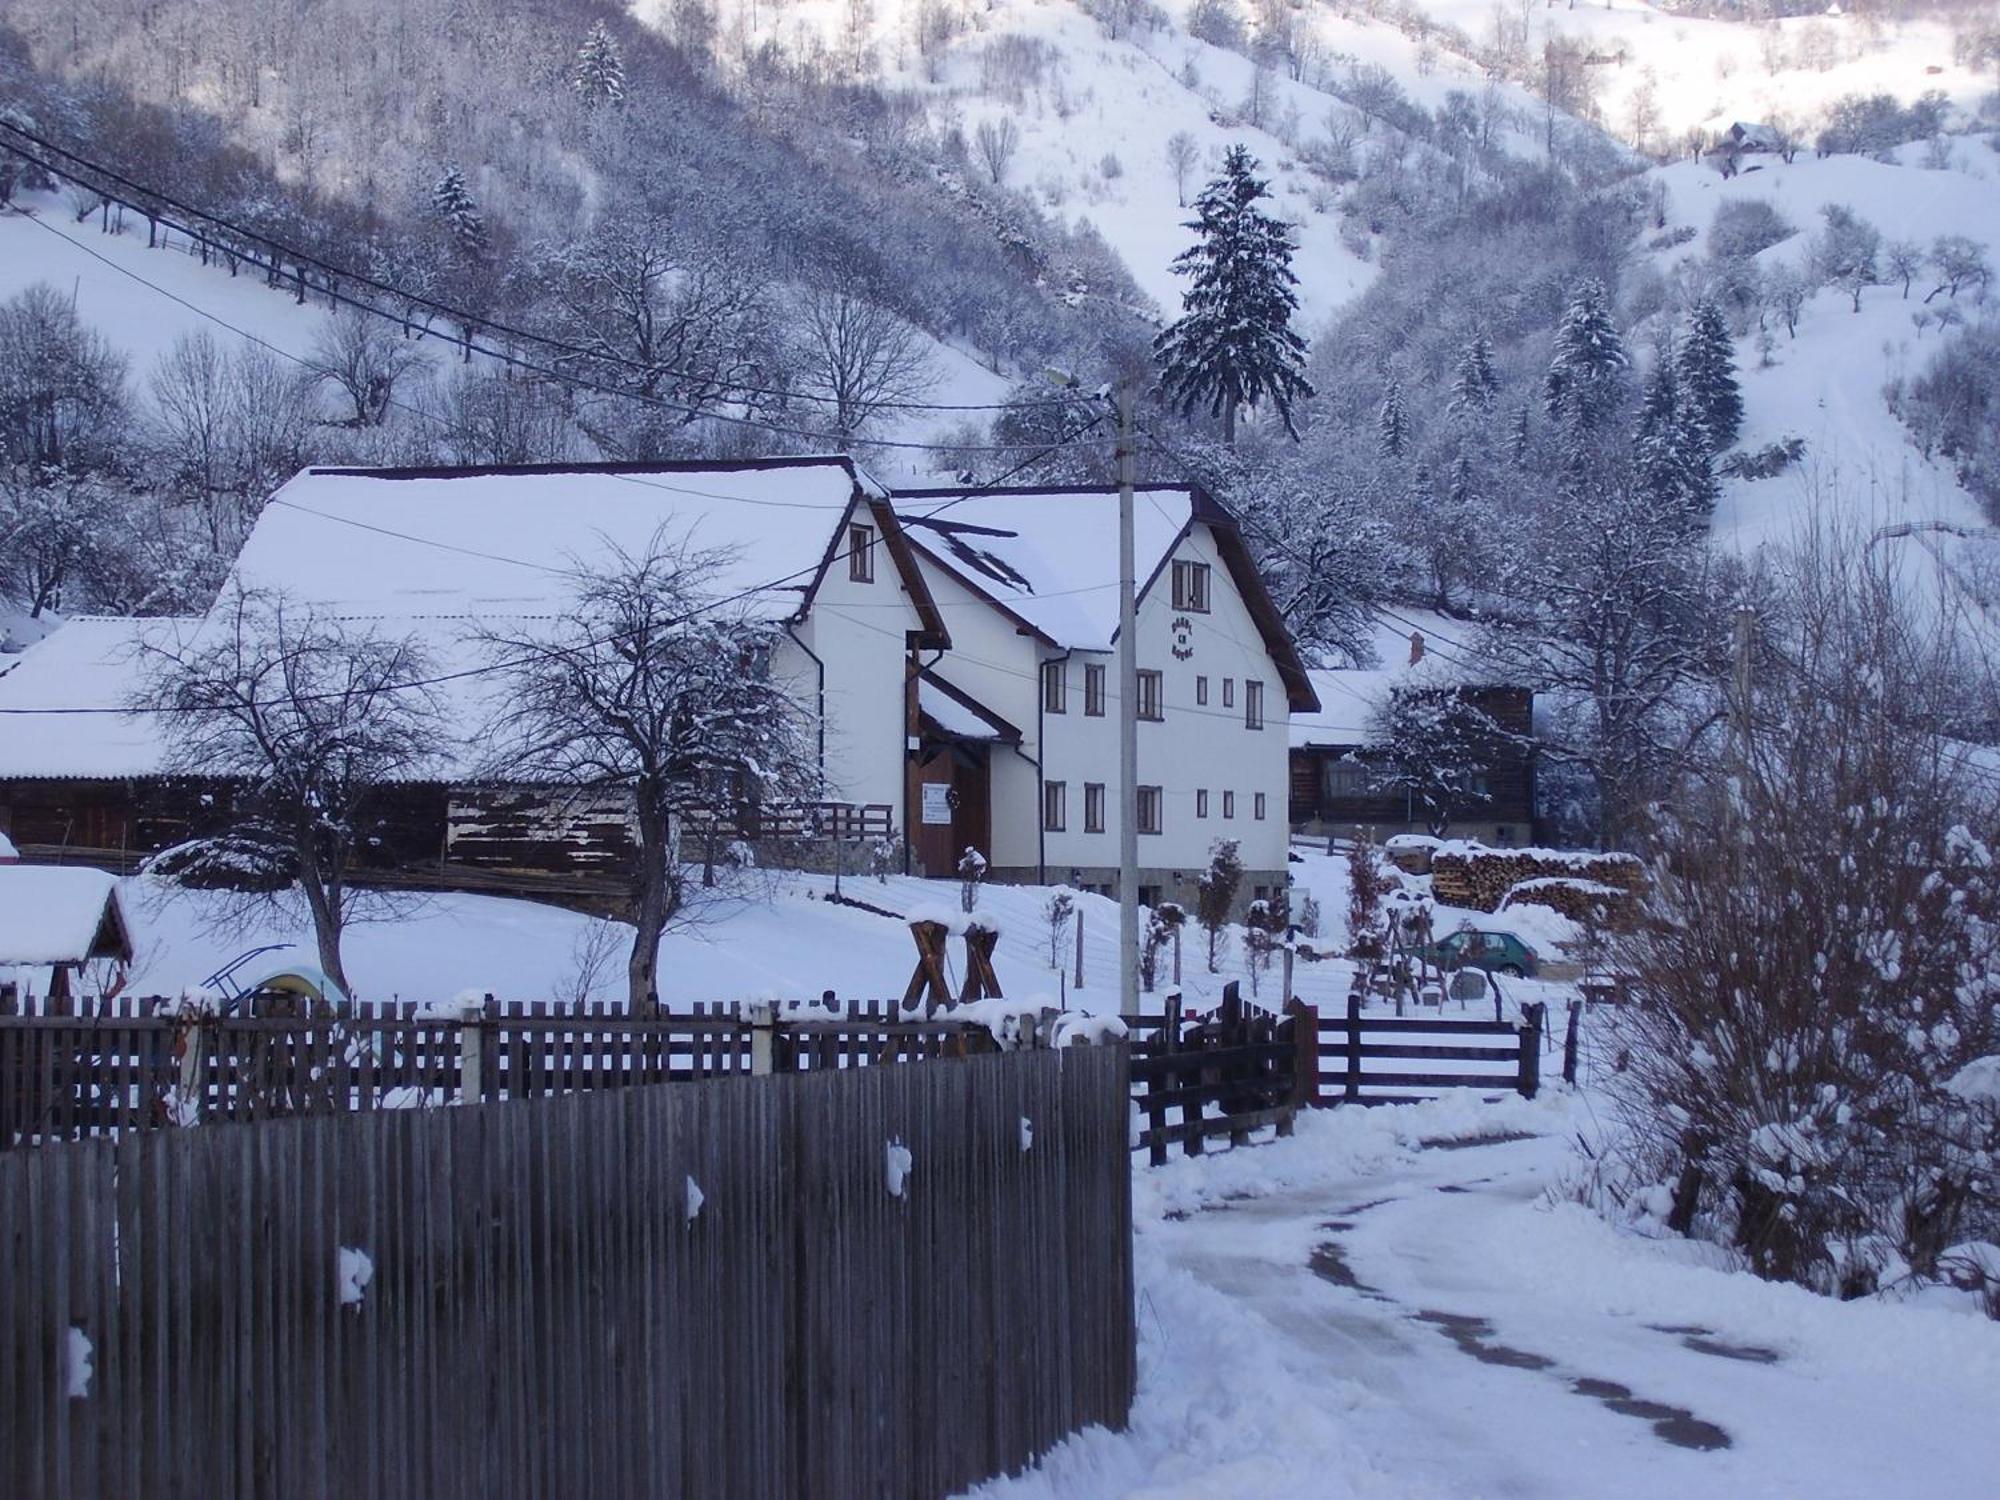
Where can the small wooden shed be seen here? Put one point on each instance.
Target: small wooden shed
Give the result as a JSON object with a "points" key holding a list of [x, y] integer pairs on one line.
{"points": [[60, 918]]}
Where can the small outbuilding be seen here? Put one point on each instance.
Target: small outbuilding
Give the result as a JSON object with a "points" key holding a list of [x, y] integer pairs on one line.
{"points": [[60, 918]]}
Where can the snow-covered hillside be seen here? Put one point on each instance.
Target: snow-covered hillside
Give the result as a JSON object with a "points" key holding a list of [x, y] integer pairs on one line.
{"points": [[1862, 471]]}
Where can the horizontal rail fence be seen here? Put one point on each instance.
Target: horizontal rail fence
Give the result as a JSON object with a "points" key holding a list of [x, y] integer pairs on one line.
{"points": [[136, 1065], [1242, 1070], [1398, 1060], [727, 1288]]}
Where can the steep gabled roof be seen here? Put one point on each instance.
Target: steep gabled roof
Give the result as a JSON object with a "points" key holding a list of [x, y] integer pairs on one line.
{"points": [[61, 702], [1047, 558]]}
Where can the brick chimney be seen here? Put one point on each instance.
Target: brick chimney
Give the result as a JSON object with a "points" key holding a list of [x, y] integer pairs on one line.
{"points": [[1416, 647]]}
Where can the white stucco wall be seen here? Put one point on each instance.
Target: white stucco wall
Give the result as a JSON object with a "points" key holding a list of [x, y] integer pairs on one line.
{"points": [[1192, 749], [857, 629]]}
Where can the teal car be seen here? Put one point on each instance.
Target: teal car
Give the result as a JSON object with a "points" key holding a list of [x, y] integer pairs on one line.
{"points": [[1495, 952]]}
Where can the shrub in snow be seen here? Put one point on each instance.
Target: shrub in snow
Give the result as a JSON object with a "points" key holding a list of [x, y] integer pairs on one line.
{"points": [[1058, 911], [1215, 894], [1817, 987], [971, 871], [1366, 886], [1163, 925]]}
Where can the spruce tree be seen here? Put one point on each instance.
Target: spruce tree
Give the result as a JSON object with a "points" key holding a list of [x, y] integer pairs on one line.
{"points": [[1708, 374], [1473, 382], [1586, 381], [598, 76], [1393, 422], [1674, 451], [1234, 342], [453, 204]]}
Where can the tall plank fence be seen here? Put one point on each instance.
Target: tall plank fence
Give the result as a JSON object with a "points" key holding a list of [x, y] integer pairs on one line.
{"points": [[711, 1289]]}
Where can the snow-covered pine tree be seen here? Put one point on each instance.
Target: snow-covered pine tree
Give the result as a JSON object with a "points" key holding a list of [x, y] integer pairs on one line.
{"points": [[1393, 421], [598, 76], [1708, 374], [1474, 383], [1234, 342], [1673, 450], [1586, 380], [452, 202]]}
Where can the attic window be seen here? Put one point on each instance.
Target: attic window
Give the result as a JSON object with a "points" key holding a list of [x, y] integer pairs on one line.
{"points": [[1191, 587], [861, 553]]}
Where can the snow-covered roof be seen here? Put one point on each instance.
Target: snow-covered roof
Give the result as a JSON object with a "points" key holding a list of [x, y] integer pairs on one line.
{"points": [[1348, 697], [957, 712], [60, 914], [487, 543], [1048, 556], [87, 664]]}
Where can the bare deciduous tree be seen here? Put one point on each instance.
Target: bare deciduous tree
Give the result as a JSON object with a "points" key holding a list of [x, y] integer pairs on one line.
{"points": [[651, 686], [1182, 154], [308, 720], [858, 358], [365, 357], [998, 140]]}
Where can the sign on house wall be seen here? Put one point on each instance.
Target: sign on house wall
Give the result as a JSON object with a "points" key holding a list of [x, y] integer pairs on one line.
{"points": [[937, 803]]}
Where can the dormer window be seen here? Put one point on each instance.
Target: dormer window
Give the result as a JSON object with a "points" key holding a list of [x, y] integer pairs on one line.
{"points": [[1191, 587], [861, 553]]}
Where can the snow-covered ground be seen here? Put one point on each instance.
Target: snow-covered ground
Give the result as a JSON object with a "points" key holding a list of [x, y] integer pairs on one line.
{"points": [[1403, 1303]]}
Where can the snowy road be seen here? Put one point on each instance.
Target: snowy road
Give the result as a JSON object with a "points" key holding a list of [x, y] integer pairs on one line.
{"points": [[1358, 1312]]}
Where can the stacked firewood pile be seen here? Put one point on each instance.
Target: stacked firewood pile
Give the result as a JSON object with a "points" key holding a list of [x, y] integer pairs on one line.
{"points": [[1478, 878], [1590, 902]]}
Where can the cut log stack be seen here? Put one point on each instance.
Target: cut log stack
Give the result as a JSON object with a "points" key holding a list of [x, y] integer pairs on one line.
{"points": [[1588, 901], [1478, 879]]}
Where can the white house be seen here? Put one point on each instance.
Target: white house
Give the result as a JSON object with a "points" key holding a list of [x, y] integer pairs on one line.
{"points": [[1016, 741]]}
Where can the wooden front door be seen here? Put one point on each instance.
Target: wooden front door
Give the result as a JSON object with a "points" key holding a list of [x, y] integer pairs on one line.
{"points": [[953, 808]]}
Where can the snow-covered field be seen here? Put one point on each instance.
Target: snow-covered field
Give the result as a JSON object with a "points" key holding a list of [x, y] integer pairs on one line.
{"points": [[1402, 1303]]}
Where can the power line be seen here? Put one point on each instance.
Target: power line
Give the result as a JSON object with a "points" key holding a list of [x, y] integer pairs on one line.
{"points": [[281, 250], [835, 441]]}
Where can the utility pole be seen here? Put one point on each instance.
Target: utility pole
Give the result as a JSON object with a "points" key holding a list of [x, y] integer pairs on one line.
{"points": [[1128, 722]]}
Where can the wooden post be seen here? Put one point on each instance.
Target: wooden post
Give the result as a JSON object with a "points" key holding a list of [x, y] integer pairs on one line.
{"points": [[471, 1056], [1177, 955], [1352, 1093], [1531, 1049], [927, 981], [1291, 948], [762, 1015], [1079, 947], [1305, 1054], [1570, 1041]]}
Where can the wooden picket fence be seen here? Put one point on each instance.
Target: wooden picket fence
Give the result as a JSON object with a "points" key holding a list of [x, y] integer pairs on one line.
{"points": [[717, 1288], [137, 1064]]}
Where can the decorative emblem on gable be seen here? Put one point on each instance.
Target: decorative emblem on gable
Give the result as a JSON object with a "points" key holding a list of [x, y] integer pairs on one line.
{"points": [[1183, 638]]}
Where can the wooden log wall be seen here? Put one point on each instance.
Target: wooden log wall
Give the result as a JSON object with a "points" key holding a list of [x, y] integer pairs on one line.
{"points": [[717, 1289]]}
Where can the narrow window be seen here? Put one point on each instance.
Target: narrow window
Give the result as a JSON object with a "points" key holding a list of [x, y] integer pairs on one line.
{"points": [[1093, 689], [1149, 696], [1229, 692], [1201, 692], [861, 553], [1054, 805], [1191, 587], [1149, 809], [1055, 688], [1253, 705], [1258, 807], [1229, 804], [1093, 807], [1201, 802]]}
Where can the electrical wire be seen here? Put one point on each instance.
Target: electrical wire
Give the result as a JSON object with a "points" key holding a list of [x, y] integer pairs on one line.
{"points": [[281, 250]]}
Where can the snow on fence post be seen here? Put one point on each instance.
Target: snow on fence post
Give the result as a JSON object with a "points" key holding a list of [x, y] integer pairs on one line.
{"points": [[1531, 1048], [1079, 947], [762, 1015], [1291, 949], [472, 1050], [1570, 1041]]}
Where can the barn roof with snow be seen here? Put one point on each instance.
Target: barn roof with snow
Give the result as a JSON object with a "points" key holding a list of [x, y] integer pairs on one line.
{"points": [[1048, 558], [1349, 697], [61, 702], [503, 541]]}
